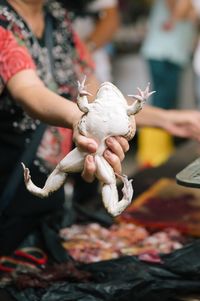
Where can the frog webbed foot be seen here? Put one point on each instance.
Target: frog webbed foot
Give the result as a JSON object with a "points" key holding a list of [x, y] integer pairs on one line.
{"points": [[110, 196], [141, 99], [127, 189]]}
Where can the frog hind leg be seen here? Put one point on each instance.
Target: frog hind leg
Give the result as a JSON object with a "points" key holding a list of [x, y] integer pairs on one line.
{"points": [[73, 162], [110, 198]]}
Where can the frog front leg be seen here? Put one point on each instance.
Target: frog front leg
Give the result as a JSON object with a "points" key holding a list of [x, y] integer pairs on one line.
{"points": [[73, 162], [141, 99], [82, 100], [110, 198]]}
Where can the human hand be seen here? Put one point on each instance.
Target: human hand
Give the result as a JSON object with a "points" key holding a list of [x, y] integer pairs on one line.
{"points": [[114, 154], [183, 123]]}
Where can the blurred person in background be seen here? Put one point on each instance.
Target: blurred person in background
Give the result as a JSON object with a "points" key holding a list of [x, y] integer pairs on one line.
{"points": [[196, 58], [96, 22], [167, 48]]}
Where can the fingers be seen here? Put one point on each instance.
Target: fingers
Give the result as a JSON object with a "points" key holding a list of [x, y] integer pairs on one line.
{"points": [[118, 145], [86, 144], [184, 124], [90, 146], [113, 160], [89, 169], [123, 142]]}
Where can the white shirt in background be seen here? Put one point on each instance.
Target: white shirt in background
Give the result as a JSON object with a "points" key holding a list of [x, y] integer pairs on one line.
{"points": [[84, 27]]}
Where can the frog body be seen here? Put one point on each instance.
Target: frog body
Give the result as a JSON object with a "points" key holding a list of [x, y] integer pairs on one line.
{"points": [[108, 115]]}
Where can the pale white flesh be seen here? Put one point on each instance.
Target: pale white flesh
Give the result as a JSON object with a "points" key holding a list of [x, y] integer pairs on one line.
{"points": [[108, 115]]}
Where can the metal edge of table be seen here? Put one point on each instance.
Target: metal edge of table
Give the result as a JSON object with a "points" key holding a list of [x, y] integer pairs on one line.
{"points": [[190, 175]]}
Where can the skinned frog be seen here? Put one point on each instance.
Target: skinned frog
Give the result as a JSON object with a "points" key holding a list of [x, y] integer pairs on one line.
{"points": [[108, 115]]}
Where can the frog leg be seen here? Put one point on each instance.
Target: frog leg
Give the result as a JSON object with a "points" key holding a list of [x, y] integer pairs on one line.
{"points": [[110, 198], [73, 162], [82, 100], [141, 99]]}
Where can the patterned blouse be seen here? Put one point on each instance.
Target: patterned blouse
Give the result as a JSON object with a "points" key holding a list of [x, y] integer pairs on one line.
{"points": [[60, 71], [13, 58]]}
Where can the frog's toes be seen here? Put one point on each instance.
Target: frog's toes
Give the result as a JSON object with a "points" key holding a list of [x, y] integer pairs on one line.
{"points": [[82, 89], [27, 175], [146, 93], [142, 96], [127, 190]]}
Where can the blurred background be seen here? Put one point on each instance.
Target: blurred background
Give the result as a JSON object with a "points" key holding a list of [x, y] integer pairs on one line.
{"points": [[129, 67]]}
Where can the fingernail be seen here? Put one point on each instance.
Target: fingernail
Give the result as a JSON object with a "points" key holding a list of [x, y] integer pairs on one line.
{"points": [[92, 145], [110, 140], [89, 159], [107, 153]]}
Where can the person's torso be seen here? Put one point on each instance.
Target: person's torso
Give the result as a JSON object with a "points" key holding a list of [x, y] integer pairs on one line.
{"points": [[16, 127], [175, 45]]}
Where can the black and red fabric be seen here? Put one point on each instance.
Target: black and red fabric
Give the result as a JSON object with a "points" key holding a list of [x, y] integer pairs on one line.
{"points": [[23, 50]]}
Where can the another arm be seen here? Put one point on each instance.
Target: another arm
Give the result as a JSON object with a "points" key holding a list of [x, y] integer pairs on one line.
{"points": [[179, 10], [181, 123], [105, 28]]}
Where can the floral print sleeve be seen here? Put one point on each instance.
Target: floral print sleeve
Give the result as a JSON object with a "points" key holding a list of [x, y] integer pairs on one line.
{"points": [[13, 57], [68, 61]]}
